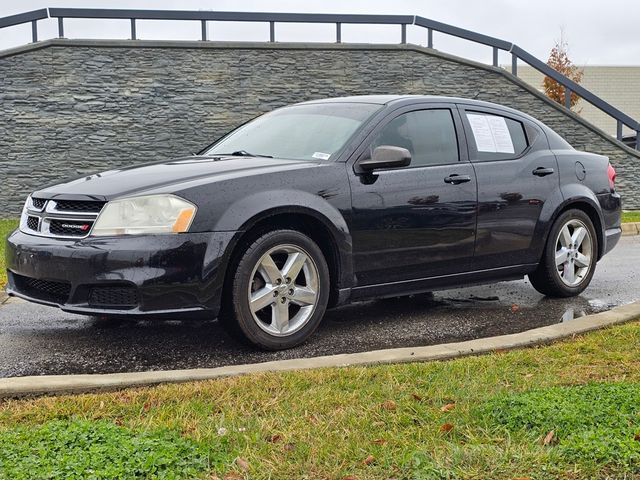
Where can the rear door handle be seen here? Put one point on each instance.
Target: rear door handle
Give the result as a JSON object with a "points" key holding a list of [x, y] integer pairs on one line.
{"points": [[542, 171], [455, 179]]}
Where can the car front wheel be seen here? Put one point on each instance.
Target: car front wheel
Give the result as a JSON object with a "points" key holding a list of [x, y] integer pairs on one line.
{"points": [[570, 256], [279, 290]]}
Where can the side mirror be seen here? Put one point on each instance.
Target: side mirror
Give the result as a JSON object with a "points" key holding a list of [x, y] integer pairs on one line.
{"points": [[386, 156]]}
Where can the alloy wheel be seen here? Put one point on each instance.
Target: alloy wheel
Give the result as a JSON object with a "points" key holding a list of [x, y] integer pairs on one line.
{"points": [[574, 252], [284, 290]]}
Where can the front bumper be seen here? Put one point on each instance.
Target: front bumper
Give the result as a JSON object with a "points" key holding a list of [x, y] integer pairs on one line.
{"points": [[127, 275]]}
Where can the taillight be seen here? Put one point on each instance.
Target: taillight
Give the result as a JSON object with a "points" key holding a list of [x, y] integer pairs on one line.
{"points": [[612, 177]]}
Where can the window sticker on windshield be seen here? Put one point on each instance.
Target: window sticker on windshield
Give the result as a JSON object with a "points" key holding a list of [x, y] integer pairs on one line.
{"points": [[321, 156]]}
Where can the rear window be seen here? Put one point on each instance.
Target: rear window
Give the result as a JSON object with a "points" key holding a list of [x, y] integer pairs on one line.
{"points": [[496, 137]]}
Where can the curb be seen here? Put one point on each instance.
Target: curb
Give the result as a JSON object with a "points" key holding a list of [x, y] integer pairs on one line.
{"points": [[57, 384], [630, 228]]}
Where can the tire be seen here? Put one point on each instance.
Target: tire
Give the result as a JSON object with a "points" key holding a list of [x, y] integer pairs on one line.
{"points": [[570, 277], [300, 298]]}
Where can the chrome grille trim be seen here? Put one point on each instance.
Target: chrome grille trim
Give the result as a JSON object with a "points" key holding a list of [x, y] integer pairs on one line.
{"points": [[50, 212]]}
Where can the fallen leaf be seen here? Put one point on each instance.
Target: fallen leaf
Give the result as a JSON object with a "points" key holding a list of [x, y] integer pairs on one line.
{"points": [[515, 308], [445, 428], [379, 441], [275, 438], [637, 437], [289, 447], [448, 407], [548, 438], [350, 477], [242, 463], [233, 476], [369, 460], [389, 405], [416, 397]]}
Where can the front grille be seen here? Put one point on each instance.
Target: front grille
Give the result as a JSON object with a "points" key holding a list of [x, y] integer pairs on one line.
{"points": [[33, 222], [72, 219], [38, 203], [114, 296], [79, 206], [70, 228], [43, 289]]}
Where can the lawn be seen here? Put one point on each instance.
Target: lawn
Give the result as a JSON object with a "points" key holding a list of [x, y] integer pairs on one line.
{"points": [[566, 411], [631, 216], [6, 227]]}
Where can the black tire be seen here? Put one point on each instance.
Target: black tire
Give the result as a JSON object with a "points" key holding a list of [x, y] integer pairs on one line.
{"points": [[546, 279], [236, 314]]}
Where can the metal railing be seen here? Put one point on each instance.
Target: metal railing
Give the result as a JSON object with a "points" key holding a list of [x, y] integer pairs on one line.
{"points": [[32, 16], [203, 17]]}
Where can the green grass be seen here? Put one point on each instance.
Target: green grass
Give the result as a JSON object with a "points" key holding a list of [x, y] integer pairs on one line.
{"points": [[80, 449], [630, 216], [325, 424], [597, 421], [6, 227]]}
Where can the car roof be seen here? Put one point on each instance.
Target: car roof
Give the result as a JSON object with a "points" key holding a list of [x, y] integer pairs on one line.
{"points": [[392, 99]]}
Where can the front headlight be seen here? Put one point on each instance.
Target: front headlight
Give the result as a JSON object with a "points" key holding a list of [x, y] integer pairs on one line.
{"points": [[147, 214]]}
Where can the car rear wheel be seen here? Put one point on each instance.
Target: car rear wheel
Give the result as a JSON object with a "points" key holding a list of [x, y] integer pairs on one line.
{"points": [[570, 256], [279, 290]]}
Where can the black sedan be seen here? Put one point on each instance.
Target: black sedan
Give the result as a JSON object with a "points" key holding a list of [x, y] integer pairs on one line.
{"points": [[318, 204]]}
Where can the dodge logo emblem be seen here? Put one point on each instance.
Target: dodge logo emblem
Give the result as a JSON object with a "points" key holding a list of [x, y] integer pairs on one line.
{"points": [[84, 227]]}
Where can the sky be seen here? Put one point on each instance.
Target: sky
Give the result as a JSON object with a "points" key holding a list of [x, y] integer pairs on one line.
{"points": [[598, 32]]}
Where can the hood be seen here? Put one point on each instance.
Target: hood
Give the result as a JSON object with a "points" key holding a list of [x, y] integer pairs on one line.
{"points": [[163, 175]]}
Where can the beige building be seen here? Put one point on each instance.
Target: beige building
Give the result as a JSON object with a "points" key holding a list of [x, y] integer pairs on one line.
{"points": [[619, 86]]}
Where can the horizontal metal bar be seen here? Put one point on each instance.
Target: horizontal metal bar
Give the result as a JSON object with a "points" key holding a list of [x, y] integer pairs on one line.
{"points": [[227, 16], [575, 88], [23, 18], [462, 33]]}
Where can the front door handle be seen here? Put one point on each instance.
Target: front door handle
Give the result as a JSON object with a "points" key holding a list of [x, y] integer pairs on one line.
{"points": [[542, 171], [455, 179]]}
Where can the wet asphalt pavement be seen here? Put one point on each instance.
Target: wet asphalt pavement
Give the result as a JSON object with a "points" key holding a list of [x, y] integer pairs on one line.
{"points": [[38, 340]]}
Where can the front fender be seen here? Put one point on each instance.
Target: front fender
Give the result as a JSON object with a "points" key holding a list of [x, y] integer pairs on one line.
{"points": [[241, 215]]}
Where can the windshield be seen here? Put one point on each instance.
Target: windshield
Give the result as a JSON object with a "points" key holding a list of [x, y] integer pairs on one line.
{"points": [[304, 132]]}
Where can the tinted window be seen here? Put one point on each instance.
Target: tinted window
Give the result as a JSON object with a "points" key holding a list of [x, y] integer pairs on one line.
{"points": [[306, 132], [496, 137], [429, 135]]}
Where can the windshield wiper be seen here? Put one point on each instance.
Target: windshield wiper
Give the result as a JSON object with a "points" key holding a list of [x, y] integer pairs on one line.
{"points": [[242, 153]]}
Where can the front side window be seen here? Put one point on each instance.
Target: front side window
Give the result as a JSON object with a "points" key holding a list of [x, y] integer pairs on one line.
{"points": [[496, 137], [299, 132], [429, 135]]}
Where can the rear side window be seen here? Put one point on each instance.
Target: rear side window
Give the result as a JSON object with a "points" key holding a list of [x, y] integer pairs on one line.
{"points": [[429, 135], [497, 137]]}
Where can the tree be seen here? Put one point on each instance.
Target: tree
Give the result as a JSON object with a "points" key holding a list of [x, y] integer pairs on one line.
{"points": [[559, 61]]}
